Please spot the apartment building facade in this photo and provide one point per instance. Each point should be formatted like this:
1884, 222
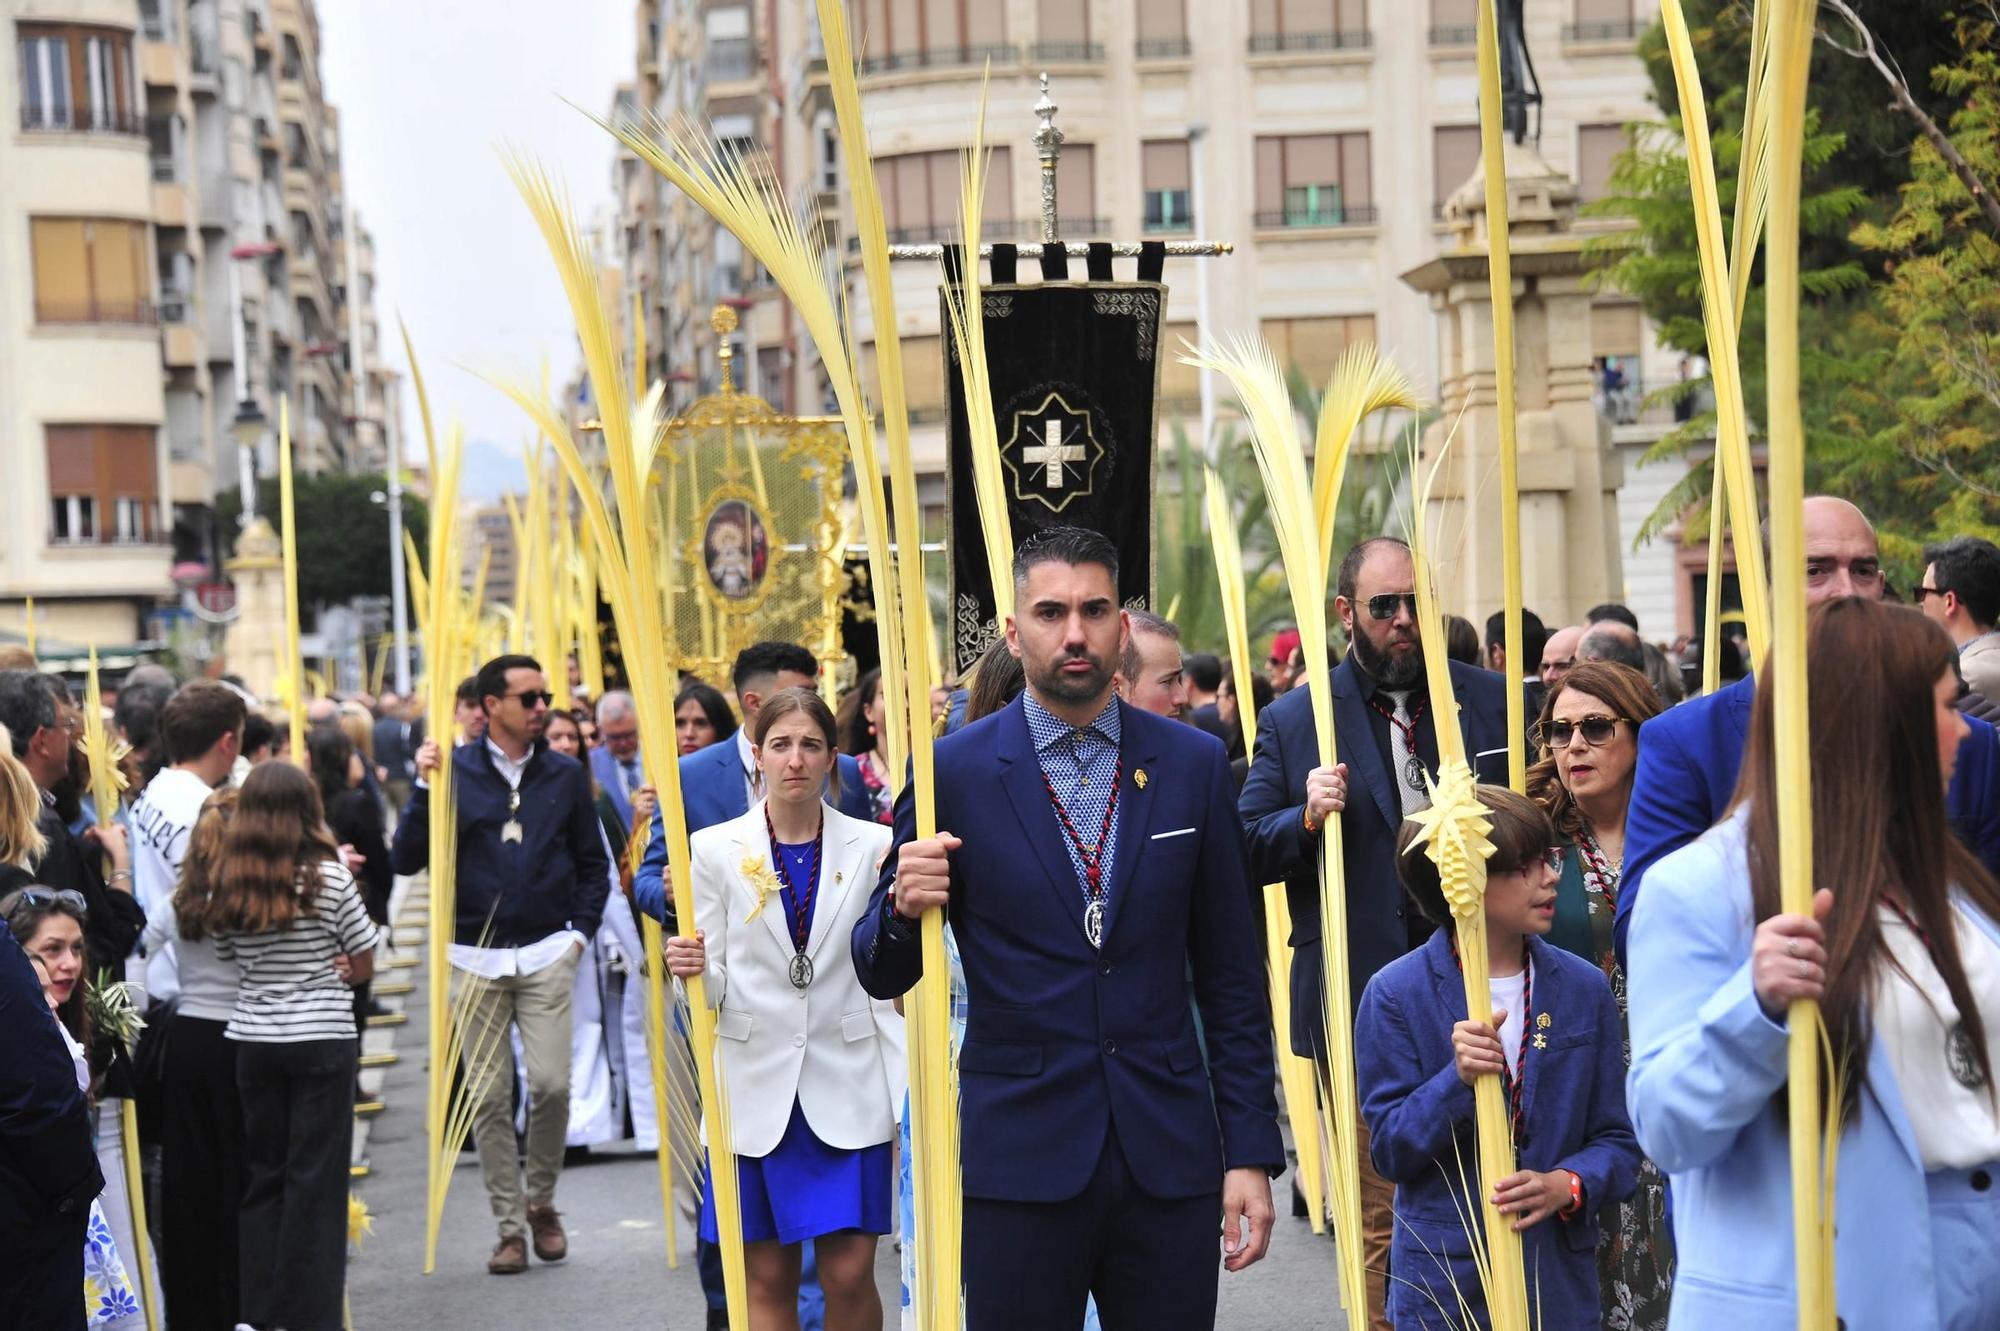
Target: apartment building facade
172, 201
1320, 137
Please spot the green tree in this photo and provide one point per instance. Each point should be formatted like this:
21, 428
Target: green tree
1922, 412
343, 533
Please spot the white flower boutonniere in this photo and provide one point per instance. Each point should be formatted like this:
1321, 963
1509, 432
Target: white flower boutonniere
757, 872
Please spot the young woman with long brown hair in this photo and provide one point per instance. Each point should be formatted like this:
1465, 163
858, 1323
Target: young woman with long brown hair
286, 910
1902, 953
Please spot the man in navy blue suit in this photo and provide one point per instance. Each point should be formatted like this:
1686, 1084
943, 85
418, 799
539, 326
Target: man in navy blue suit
1690, 755
1093, 863
1387, 740
48, 1169
719, 783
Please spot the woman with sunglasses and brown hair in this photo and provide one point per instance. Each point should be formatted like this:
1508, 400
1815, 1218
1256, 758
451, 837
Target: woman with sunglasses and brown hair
285, 909
1588, 738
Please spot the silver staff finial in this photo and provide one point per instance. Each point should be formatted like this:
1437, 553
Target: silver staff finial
1048, 146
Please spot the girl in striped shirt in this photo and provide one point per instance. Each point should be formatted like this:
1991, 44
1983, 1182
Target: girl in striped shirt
287, 912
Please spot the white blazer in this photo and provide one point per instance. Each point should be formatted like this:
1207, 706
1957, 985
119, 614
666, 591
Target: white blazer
832, 1047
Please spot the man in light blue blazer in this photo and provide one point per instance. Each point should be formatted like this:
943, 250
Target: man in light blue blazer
616, 762
1689, 755
719, 783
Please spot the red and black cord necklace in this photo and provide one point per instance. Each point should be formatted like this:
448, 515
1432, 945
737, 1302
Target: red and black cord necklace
799, 902
1092, 856
1413, 766
1513, 1079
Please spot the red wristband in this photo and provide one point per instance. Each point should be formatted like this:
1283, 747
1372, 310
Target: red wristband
1575, 1196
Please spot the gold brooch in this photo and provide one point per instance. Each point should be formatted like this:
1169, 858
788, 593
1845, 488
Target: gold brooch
1139, 777
1542, 1021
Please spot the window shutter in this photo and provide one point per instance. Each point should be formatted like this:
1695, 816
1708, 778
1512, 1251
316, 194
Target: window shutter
1164, 164
62, 270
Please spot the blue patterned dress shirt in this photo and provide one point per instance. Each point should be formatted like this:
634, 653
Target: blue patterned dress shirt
1081, 765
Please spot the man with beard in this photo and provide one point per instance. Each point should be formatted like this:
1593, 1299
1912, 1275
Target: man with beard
1108, 868
1387, 738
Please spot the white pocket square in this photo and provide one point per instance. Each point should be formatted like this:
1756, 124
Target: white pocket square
1179, 831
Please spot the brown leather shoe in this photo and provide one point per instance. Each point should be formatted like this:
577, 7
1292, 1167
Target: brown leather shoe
510, 1257
545, 1223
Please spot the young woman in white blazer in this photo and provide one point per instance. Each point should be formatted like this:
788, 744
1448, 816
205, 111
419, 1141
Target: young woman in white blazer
813, 1066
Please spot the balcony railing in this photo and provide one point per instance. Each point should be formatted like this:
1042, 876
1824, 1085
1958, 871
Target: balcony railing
1264, 43
1081, 228
943, 57
1163, 48
946, 233
81, 120
156, 20
165, 170
90, 310
1608, 30
175, 306
1453, 34
1173, 226
1353, 214
1060, 53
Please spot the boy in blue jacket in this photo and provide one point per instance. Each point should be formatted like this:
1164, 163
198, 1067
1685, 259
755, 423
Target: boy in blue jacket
1555, 1042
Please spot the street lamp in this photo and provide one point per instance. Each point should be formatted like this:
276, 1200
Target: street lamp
248, 431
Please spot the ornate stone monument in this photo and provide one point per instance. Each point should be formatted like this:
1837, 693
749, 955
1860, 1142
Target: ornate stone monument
1570, 553
254, 643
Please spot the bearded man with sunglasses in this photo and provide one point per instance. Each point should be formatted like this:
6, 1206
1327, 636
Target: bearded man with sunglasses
1387, 744
533, 874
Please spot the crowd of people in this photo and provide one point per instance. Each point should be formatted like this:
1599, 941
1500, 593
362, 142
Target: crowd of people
1105, 838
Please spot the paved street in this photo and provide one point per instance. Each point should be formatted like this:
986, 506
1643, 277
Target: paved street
617, 1274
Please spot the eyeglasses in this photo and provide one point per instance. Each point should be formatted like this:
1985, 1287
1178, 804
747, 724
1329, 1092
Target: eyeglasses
1922, 592
1550, 859
1384, 605
533, 698
1596, 730
38, 897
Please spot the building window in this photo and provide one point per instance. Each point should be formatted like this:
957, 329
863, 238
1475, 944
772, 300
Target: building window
923, 376
1062, 31
1076, 192
77, 78
928, 34
1314, 180
1597, 149
1312, 346
1604, 21
1162, 29
1454, 22
920, 196
1308, 25
1454, 157
730, 52
91, 270
99, 471
1163, 166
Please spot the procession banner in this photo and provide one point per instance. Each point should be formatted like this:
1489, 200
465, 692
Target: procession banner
1075, 373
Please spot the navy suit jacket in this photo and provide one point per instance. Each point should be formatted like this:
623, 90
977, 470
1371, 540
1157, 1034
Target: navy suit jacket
1420, 1126
48, 1168
1381, 924
393, 752
712, 792
1063, 1042
1691, 755
611, 780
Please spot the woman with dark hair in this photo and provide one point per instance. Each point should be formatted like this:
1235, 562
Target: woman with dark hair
354, 815
1588, 738
1228, 707
996, 680
701, 717
285, 909
1461, 640
1902, 954
808, 1059
862, 731
48, 924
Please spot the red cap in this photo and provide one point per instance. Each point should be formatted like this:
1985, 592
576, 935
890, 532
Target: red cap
1283, 645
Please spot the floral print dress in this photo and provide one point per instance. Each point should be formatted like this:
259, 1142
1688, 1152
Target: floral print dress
109, 1298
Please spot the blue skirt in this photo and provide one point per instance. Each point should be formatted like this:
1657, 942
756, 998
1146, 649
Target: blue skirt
805, 1188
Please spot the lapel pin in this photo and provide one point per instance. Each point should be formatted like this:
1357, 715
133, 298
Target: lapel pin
1139, 777
1542, 1021
1541, 1041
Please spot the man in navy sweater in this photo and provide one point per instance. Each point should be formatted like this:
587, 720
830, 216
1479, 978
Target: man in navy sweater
532, 878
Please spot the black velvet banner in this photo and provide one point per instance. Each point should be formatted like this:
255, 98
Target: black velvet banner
1075, 370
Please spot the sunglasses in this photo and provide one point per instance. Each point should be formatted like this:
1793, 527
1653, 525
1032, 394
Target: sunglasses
535, 697
1384, 606
39, 897
1596, 730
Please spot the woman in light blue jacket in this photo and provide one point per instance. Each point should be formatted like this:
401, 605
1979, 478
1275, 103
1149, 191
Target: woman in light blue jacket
1904, 957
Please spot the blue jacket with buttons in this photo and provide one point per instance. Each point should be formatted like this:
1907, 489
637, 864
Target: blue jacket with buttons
555, 877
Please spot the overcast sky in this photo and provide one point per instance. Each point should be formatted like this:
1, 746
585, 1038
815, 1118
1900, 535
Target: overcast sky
426, 94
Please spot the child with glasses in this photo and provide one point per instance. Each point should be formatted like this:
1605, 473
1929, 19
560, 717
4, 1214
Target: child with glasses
1552, 1037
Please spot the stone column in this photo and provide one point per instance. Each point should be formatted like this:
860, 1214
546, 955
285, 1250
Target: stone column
255, 641
1569, 476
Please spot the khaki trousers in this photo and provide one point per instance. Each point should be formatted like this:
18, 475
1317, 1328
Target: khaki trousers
1378, 1221
538, 1006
